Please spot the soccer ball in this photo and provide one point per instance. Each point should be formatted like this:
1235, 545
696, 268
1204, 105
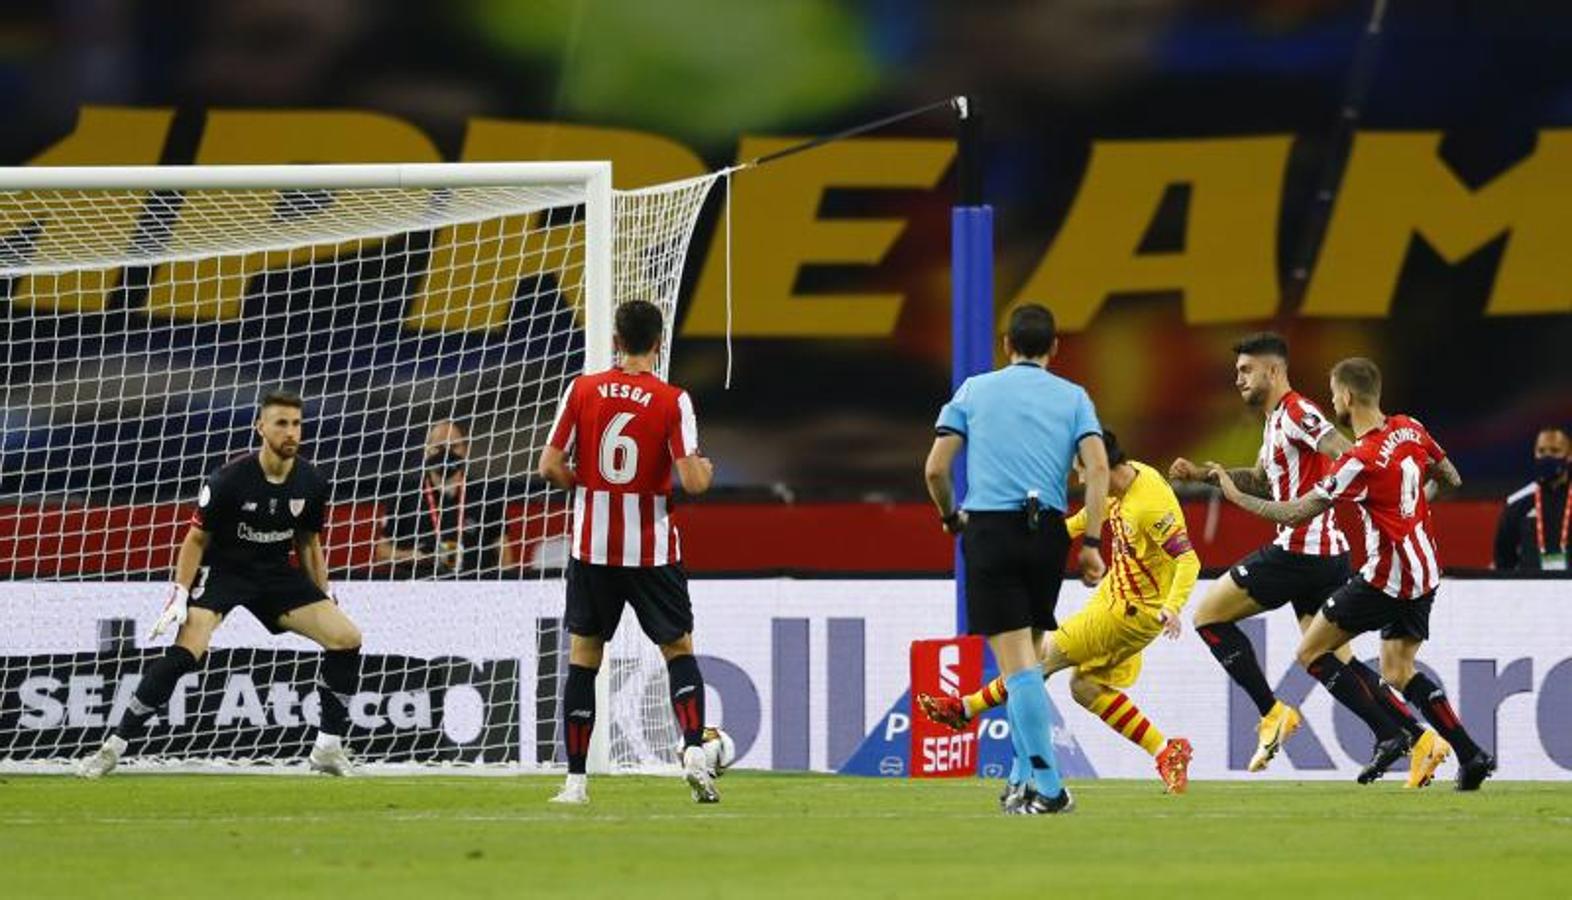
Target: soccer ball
719, 751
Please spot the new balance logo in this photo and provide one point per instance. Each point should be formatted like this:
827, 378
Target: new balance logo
249, 507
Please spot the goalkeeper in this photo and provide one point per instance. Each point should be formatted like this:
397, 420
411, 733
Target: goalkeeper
249, 515
1152, 569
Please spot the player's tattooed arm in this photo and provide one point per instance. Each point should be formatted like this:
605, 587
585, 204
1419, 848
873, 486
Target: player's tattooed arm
1333, 444
1249, 481
1443, 479
1290, 512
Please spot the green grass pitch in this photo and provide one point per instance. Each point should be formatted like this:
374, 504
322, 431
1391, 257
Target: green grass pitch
773, 835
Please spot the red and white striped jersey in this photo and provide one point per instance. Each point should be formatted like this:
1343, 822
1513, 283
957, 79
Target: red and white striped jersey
625, 430
1293, 466
1384, 474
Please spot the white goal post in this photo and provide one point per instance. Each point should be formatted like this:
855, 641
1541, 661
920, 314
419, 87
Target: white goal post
145, 310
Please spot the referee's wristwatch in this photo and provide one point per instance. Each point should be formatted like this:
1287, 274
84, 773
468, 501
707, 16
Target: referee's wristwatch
1094, 543
952, 520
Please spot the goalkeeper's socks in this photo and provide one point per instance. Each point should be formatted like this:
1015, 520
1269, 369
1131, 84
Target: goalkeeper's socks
152, 692
578, 715
327, 741
1123, 716
687, 697
1383, 694
1236, 655
337, 680
1352, 693
992, 694
1028, 704
1431, 700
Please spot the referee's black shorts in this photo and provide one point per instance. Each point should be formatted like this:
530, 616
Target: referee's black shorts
1013, 573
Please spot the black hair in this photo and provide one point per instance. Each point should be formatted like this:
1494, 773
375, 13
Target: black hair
1116, 454
1031, 330
639, 325
1263, 343
280, 397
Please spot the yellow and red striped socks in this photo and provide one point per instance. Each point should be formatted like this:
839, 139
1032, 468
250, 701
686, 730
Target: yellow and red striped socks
992, 694
1126, 718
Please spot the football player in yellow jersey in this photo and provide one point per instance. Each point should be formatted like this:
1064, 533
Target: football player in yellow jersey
1152, 568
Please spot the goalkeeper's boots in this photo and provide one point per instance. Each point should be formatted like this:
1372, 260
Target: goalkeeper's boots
944, 710
696, 769
1012, 795
574, 791
1275, 728
1173, 765
1035, 804
1429, 752
332, 760
1472, 774
1386, 754
104, 761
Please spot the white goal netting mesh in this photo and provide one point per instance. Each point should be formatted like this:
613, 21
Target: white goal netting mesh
431, 332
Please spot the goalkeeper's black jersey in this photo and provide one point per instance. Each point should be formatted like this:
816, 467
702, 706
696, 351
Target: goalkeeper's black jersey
253, 522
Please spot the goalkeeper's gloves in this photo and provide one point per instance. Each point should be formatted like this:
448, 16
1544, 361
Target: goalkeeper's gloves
174, 610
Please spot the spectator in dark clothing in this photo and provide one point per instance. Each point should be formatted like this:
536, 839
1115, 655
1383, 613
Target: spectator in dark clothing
442, 523
1532, 533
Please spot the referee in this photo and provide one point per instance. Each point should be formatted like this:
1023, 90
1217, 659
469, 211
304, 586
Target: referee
1022, 427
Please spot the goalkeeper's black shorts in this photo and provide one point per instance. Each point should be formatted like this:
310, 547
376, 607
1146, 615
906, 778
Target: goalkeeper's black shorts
659, 595
268, 597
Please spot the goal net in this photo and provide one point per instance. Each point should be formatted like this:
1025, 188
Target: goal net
431, 316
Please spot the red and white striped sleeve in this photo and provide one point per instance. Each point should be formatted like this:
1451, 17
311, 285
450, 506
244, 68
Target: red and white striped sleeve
684, 440
567, 421
1306, 422
1345, 481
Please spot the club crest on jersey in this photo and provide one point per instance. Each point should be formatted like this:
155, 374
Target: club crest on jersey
248, 506
296, 507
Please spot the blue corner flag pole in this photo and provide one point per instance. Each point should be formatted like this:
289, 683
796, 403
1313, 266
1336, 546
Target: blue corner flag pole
971, 333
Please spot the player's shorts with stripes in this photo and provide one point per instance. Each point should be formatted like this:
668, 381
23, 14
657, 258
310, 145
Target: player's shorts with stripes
267, 596
1274, 577
658, 595
1013, 574
1358, 607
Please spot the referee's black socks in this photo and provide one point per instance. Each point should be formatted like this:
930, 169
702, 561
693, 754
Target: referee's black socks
687, 697
337, 682
153, 691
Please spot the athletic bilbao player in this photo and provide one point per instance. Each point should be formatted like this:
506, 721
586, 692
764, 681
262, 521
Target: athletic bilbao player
618, 435
1391, 472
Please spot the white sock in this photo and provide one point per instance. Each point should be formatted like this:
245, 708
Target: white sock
116, 743
327, 741
580, 781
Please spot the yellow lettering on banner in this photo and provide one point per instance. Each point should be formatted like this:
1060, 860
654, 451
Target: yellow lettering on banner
1227, 270
476, 267
213, 286
1397, 186
776, 230
104, 136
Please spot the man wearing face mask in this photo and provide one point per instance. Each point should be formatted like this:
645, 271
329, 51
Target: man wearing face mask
447, 523
1532, 533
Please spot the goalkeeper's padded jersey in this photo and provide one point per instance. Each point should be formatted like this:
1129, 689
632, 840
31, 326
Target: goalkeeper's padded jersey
1150, 560
623, 431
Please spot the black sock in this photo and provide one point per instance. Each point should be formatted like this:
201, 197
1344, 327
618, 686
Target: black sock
152, 692
578, 715
687, 698
1352, 693
1431, 700
337, 681
1237, 657
1385, 697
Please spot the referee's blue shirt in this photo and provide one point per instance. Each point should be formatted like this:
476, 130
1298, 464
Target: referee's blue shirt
1021, 424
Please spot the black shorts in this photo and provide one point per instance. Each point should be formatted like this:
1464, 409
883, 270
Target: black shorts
268, 597
1273, 577
1358, 607
1013, 574
659, 595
